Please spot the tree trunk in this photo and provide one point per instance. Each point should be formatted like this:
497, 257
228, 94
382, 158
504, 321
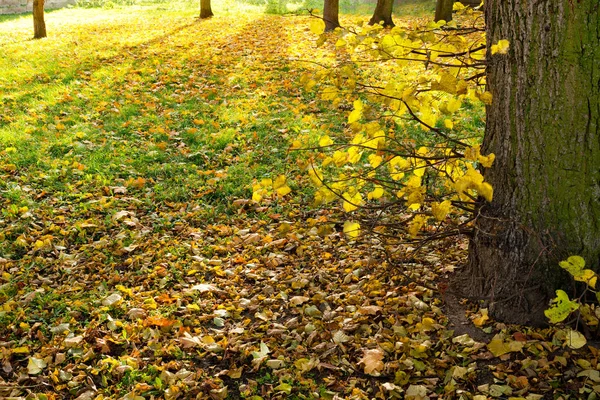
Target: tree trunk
205, 10
39, 25
544, 128
330, 14
383, 13
443, 10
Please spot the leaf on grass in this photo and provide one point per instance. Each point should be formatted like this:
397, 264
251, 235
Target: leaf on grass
264, 350
204, 287
305, 365
284, 387
497, 347
298, 300
416, 392
35, 365
574, 339
280, 186
340, 337
372, 361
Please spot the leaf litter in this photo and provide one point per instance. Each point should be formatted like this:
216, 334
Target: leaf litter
109, 290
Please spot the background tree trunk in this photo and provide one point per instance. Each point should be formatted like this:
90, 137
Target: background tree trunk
205, 10
443, 10
39, 25
331, 9
383, 13
544, 127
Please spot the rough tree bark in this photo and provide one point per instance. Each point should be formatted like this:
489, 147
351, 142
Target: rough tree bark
443, 10
205, 9
331, 14
39, 25
544, 128
383, 13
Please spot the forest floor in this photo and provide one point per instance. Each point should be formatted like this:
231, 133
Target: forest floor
134, 265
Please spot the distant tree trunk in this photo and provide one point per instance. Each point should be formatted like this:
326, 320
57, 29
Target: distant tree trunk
544, 128
205, 10
39, 26
443, 10
331, 11
383, 13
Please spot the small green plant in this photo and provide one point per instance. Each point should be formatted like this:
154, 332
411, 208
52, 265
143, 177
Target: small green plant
562, 307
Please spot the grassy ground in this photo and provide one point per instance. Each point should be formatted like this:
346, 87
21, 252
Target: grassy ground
132, 263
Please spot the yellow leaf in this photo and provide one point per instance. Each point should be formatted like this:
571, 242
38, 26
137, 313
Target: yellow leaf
20, 350
486, 161
497, 347
377, 193
124, 290
448, 123
339, 158
354, 155
375, 160
453, 105
317, 26
325, 141
427, 324
486, 191
354, 116
280, 186
486, 97
351, 229
358, 105
501, 47
575, 266
283, 190
351, 203
446, 83
416, 224
329, 93
256, 196
440, 210
481, 320
316, 176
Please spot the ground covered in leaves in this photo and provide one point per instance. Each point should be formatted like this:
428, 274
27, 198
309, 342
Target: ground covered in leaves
133, 264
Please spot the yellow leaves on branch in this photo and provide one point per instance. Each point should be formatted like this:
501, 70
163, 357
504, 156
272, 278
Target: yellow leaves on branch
267, 187
416, 224
473, 180
474, 154
352, 200
356, 114
440, 210
575, 266
351, 230
325, 141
